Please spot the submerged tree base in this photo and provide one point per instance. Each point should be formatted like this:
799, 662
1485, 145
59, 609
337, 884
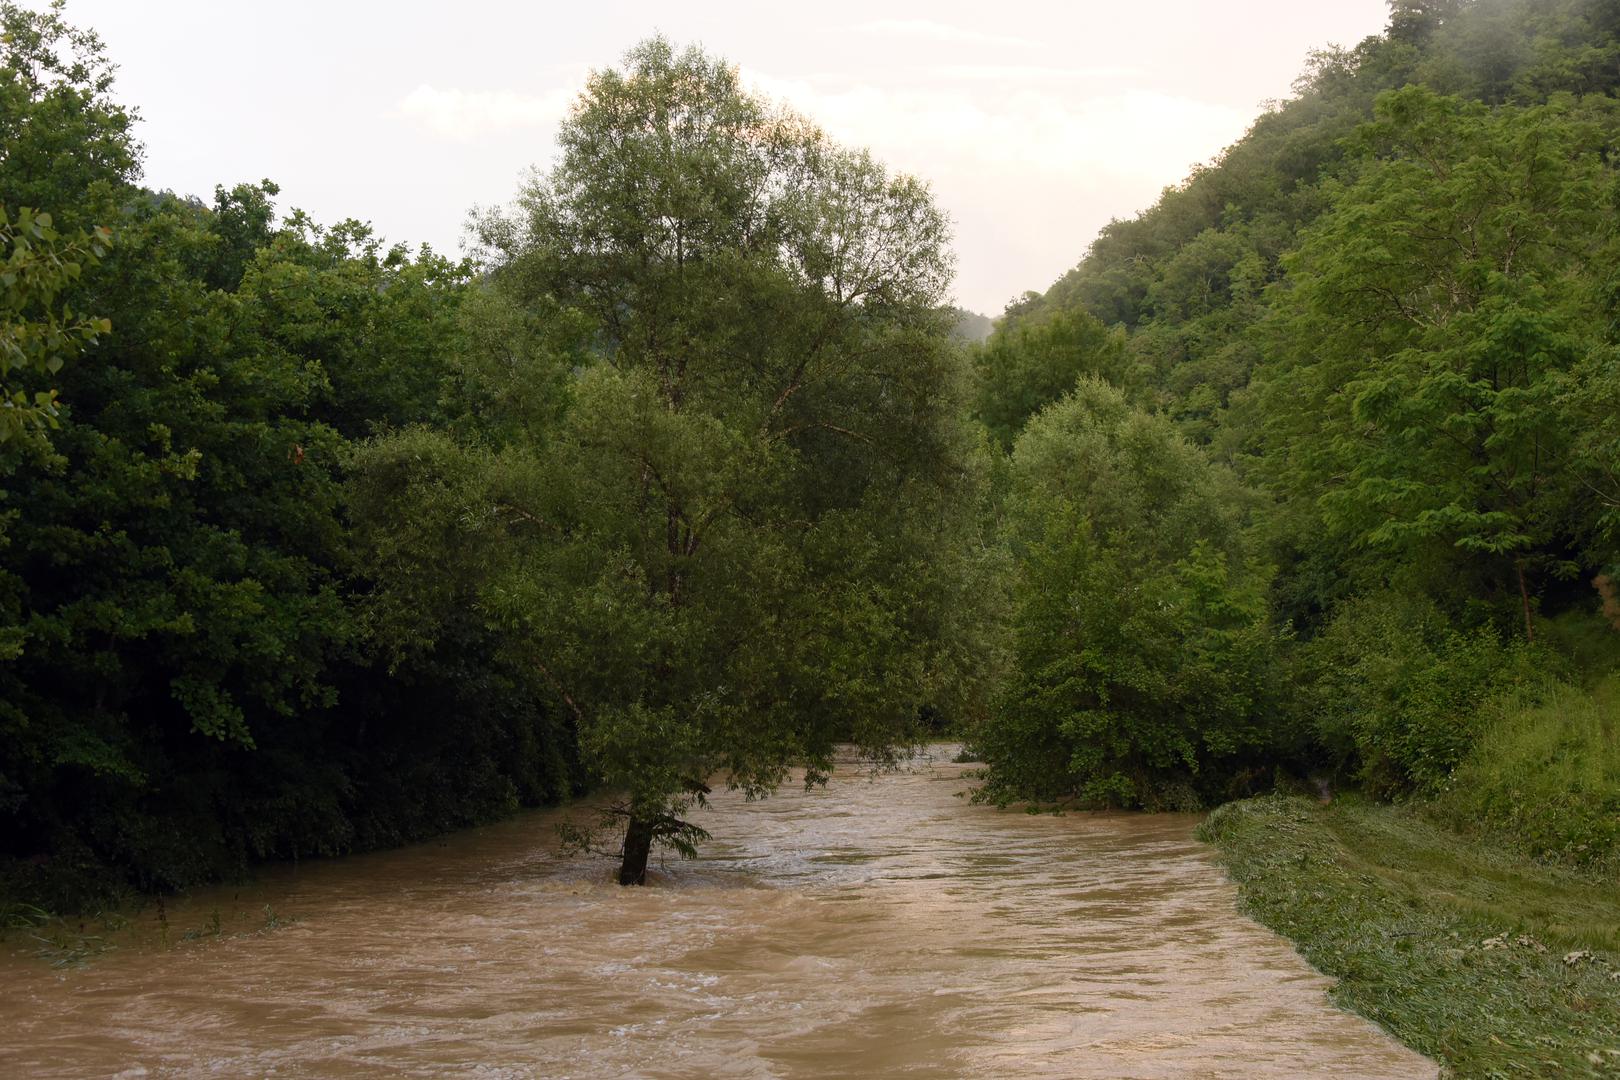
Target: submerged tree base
643, 832
638, 840
1488, 962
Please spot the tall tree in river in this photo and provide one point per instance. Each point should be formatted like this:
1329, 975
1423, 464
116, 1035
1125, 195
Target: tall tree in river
746, 534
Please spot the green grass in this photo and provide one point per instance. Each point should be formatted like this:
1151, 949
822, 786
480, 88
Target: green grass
1491, 963
1546, 776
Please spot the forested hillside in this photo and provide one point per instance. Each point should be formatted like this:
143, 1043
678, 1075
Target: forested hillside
1313, 488
1381, 330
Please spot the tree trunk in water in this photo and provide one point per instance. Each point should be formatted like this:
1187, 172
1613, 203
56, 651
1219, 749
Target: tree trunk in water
1524, 594
638, 837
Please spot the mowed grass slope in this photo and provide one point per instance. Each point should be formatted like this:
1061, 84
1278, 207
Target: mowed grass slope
1492, 963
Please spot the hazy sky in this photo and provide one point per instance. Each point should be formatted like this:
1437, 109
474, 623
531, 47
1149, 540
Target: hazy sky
1035, 122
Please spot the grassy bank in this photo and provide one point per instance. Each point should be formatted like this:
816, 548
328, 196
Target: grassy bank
1470, 952
1544, 777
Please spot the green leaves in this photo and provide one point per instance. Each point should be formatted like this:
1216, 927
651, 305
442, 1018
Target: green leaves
37, 335
1140, 622
721, 500
1031, 363
1396, 694
1423, 357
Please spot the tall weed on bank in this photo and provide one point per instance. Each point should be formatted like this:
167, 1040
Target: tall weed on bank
1545, 772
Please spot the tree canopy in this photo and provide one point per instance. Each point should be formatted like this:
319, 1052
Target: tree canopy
716, 552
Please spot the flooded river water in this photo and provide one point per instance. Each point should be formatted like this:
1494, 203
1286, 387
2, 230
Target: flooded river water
881, 927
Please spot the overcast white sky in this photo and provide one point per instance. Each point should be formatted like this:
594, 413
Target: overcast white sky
1035, 122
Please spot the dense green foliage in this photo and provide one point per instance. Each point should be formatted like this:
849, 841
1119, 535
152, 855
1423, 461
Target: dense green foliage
308, 543
1390, 312
741, 538
1031, 364
334, 545
35, 337
1141, 641
188, 679
1395, 693
1545, 776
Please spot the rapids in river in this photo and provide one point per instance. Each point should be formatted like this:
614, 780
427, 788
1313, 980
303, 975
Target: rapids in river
880, 927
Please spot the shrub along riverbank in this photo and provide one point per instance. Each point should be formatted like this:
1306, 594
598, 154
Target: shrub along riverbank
1545, 778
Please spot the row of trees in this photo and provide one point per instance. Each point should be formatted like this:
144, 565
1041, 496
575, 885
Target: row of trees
1381, 329
188, 678
315, 545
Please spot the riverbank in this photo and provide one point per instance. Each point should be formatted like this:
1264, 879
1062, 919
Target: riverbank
1486, 961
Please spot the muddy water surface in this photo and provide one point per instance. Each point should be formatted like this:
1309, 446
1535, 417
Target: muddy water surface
879, 928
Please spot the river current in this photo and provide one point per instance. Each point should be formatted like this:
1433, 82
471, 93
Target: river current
880, 927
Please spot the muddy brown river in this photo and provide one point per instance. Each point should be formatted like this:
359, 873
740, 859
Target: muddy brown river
881, 927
